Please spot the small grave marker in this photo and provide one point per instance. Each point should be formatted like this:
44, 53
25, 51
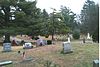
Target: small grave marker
69, 39
88, 36
27, 46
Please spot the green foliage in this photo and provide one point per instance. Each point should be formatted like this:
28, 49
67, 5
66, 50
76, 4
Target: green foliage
76, 35
89, 17
69, 18
21, 16
49, 42
95, 35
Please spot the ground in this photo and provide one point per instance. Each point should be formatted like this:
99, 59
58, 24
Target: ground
82, 56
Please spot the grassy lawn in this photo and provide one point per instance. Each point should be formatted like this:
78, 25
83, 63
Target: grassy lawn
82, 56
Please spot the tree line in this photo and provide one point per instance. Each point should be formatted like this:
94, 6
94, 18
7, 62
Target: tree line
23, 17
90, 19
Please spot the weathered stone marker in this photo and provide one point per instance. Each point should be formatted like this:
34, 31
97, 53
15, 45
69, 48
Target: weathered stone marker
7, 43
96, 63
69, 39
67, 47
88, 36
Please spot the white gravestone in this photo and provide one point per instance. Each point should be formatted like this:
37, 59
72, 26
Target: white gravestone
69, 39
27, 46
88, 36
6, 47
67, 47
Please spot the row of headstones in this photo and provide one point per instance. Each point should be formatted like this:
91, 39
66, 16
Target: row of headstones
63, 37
67, 45
7, 42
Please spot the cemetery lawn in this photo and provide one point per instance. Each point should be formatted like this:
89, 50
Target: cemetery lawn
82, 56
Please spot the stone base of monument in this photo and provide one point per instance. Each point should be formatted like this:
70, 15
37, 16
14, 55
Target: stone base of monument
6, 47
67, 48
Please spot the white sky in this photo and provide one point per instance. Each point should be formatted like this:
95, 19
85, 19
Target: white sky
74, 5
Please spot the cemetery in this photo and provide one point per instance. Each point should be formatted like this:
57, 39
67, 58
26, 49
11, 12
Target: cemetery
72, 53
49, 33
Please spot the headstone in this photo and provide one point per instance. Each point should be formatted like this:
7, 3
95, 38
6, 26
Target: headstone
40, 42
27, 46
6, 47
88, 36
7, 43
67, 47
4, 37
69, 39
45, 42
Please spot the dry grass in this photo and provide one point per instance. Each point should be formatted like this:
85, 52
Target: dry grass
82, 56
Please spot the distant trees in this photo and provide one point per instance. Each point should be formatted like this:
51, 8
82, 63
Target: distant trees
69, 18
45, 23
56, 24
76, 34
90, 18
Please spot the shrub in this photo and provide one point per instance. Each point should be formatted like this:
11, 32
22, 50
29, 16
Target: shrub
95, 36
35, 37
76, 35
46, 36
49, 42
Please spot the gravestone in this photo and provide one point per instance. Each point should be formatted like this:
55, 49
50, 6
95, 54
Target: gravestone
69, 39
67, 47
41, 42
45, 42
7, 43
88, 36
27, 46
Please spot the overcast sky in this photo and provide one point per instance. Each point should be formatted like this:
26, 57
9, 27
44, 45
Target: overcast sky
74, 5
